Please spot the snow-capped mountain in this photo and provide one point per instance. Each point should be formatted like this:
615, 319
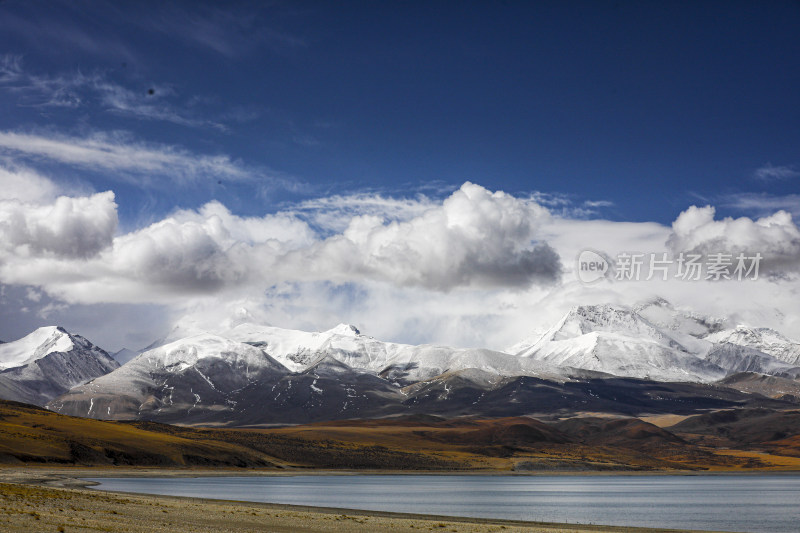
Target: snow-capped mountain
765, 340
619, 341
401, 363
737, 358
242, 377
200, 373
48, 362
297, 349
656, 341
255, 375
664, 315
210, 379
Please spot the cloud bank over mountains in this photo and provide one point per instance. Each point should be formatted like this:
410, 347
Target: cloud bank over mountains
473, 268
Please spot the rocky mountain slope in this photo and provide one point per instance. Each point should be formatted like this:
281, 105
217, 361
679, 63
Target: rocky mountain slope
48, 362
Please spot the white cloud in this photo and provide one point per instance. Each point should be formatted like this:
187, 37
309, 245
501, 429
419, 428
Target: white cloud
10, 68
25, 185
78, 89
283, 228
566, 206
334, 213
474, 238
143, 105
120, 154
39, 90
770, 172
776, 237
762, 204
75, 228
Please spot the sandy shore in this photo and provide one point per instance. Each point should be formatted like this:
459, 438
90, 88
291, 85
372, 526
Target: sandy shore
41, 499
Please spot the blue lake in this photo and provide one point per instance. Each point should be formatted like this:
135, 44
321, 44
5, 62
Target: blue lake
755, 503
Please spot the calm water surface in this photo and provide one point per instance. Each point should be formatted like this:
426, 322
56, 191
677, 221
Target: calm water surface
756, 503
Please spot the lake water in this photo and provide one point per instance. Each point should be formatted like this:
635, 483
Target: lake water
756, 503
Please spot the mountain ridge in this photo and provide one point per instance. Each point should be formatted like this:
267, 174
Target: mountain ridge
255, 374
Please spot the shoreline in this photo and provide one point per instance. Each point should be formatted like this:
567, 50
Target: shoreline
43, 491
28, 472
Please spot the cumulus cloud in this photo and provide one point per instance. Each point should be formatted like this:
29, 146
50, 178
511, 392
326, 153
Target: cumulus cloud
207, 250
75, 228
282, 228
26, 185
474, 238
775, 237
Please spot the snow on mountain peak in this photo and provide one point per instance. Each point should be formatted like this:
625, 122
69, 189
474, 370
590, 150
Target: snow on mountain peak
661, 313
345, 329
187, 352
765, 340
584, 319
48, 362
618, 340
35, 345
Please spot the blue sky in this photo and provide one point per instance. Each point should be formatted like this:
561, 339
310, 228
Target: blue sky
621, 111
645, 105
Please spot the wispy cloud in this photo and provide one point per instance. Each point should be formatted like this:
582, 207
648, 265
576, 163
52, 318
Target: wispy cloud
770, 172
762, 204
54, 28
78, 89
10, 68
144, 105
39, 90
128, 159
567, 206
228, 32
334, 213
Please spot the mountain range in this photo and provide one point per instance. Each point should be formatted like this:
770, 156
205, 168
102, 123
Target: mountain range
650, 358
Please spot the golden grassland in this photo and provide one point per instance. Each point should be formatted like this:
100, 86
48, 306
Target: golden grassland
630, 453
29, 435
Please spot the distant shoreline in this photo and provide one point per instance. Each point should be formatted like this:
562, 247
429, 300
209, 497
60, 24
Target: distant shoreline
74, 476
